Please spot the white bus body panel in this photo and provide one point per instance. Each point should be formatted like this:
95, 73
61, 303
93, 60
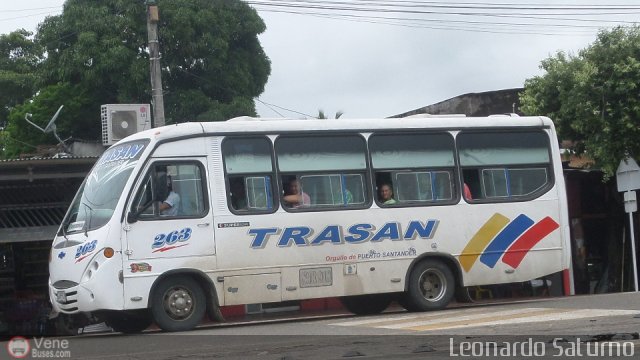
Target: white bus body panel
324, 263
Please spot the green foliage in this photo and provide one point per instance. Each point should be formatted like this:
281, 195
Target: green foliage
96, 53
322, 115
217, 65
593, 96
22, 136
19, 59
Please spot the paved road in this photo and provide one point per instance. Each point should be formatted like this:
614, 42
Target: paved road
441, 334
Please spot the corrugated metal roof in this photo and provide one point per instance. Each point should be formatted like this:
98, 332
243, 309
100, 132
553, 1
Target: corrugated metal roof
37, 203
36, 192
49, 159
42, 168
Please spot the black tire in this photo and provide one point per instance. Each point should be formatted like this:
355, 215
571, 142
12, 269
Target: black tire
178, 304
431, 286
129, 322
366, 304
67, 325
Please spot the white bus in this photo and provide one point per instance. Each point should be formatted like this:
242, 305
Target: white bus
264, 211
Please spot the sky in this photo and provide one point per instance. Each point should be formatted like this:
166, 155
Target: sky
393, 56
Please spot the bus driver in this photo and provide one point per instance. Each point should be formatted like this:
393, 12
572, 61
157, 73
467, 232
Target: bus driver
169, 207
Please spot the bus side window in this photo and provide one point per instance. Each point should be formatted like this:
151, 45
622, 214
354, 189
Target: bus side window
471, 180
413, 169
339, 190
249, 172
250, 193
171, 190
505, 166
328, 172
258, 193
238, 193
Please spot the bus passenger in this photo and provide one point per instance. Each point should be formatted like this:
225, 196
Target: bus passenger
467, 192
386, 195
294, 197
238, 194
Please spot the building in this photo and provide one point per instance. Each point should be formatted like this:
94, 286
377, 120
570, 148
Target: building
34, 196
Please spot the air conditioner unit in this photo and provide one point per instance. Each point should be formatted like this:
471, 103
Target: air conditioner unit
122, 120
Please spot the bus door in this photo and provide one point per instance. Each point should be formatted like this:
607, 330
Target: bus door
169, 216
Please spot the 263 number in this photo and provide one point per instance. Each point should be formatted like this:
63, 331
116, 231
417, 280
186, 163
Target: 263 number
171, 238
86, 248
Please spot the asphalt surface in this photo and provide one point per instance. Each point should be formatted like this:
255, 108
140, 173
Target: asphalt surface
542, 328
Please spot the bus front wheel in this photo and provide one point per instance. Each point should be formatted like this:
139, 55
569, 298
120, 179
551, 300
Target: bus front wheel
179, 304
431, 286
129, 322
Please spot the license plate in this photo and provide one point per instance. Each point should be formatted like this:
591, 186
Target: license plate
61, 297
316, 277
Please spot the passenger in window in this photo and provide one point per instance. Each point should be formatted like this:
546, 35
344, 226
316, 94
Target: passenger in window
471, 185
386, 195
348, 197
467, 192
294, 197
238, 194
170, 206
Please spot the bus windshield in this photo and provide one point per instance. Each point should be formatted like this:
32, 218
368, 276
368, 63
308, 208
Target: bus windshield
98, 196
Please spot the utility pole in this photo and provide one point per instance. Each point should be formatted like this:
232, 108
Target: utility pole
157, 100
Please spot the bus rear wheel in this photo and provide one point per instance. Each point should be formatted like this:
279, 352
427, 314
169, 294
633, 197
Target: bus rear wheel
178, 304
431, 286
129, 322
366, 304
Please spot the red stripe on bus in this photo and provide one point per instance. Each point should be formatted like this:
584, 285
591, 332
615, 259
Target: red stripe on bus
528, 240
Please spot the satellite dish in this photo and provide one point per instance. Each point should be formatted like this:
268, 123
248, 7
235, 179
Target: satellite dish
51, 126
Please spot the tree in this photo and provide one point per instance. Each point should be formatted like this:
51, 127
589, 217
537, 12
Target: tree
593, 96
213, 65
19, 59
322, 115
23, 137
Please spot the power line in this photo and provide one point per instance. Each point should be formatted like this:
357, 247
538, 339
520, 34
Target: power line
473, 26
378, 13
467, 5
448, 21
381, 7
30, 15
270, 107
31, 9
210, 82
368, 9
283, 108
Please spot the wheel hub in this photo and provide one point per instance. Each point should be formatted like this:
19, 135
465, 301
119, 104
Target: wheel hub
432, 284
178, 303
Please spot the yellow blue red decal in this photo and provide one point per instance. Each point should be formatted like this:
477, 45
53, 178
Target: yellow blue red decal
510, 239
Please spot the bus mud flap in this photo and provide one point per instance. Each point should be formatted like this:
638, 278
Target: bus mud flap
213, 309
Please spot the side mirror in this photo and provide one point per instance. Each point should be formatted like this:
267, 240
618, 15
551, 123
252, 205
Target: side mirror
132, 217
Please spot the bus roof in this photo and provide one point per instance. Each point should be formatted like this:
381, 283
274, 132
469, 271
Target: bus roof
247, 124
